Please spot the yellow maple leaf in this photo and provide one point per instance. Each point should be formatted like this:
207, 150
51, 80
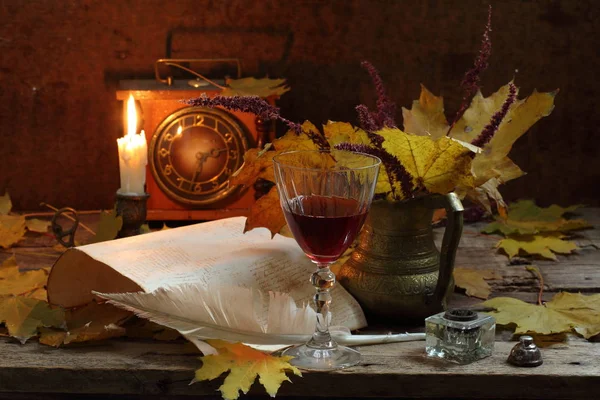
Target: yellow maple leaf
13, 282
109, 226
426, 117
266, 212
493, 161
23, 316
343, 132
12, 229
474, 281
436, 165
263, 87
566, 312
37, 225
244, 364
526, 218
543, 245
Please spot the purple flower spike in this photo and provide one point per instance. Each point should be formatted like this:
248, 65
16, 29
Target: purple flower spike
255, 105
472, 79
386, 108
490, 129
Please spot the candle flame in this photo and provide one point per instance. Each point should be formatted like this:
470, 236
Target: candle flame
131, 116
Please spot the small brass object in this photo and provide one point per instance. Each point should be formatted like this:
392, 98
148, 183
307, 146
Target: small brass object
396, 271
132, 207
525, 353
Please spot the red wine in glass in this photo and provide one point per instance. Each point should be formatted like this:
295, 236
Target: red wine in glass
324, 226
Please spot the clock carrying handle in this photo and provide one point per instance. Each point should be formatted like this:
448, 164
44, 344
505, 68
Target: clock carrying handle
178, 63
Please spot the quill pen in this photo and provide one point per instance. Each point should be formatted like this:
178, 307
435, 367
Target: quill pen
236, 314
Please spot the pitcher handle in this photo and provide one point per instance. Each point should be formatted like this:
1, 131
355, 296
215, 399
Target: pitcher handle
454, 226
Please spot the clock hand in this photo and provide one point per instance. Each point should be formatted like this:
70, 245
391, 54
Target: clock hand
216, 152
201, 158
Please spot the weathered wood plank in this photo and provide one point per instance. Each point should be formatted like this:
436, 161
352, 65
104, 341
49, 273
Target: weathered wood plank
394, 370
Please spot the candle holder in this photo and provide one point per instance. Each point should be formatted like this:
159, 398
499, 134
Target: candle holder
132, 207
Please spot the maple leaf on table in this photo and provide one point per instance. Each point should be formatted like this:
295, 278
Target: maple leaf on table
566, 312
544, 246
535, 230
526, 218
474, 281
37, 225
244, 365
13, 282
23, 316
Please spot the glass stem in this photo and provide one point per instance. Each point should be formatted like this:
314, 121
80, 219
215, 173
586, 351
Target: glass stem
323, 280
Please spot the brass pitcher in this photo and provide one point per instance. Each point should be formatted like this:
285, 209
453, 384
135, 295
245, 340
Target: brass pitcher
396, 271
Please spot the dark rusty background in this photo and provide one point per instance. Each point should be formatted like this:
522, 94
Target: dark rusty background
60, 63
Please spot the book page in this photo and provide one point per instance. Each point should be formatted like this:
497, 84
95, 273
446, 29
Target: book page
215, 253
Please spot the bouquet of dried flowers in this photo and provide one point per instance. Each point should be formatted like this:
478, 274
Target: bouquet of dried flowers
468, 155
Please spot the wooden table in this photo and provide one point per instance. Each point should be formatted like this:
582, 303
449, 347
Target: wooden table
138, 369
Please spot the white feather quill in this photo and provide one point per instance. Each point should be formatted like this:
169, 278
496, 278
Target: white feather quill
235, 314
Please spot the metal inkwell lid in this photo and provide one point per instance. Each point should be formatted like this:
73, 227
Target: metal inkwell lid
460, 315
525, 353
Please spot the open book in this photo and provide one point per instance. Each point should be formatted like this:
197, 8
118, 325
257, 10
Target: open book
214, 254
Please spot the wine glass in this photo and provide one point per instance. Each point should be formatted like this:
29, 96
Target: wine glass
325, 197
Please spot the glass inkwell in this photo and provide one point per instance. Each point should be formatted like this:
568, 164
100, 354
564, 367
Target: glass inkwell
459, 335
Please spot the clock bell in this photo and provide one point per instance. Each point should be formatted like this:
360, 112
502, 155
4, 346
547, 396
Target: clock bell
193, 151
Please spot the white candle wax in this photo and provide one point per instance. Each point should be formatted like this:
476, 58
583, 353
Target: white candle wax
133, 155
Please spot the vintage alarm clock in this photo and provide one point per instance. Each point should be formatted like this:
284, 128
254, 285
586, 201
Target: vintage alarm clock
193, 151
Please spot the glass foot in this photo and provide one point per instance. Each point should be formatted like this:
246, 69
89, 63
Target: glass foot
322, 359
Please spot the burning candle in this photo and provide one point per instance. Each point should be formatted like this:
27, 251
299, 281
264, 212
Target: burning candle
133, 155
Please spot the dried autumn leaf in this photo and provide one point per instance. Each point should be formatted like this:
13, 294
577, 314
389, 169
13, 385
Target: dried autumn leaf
12, 229
474, 281
23, 316
542, 245
37, 225
566, 312
263, 87
244, 365
426, 117
493, 161
436, 165
343, 132
23, 282
39, 294
109, 226
526, 218
5, 204
266, 212
90, 322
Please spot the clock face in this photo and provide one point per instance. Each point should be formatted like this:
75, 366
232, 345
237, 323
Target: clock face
193, 153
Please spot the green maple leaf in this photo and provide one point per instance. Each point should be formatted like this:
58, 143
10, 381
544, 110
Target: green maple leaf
23, 316
526, 218
109, 226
